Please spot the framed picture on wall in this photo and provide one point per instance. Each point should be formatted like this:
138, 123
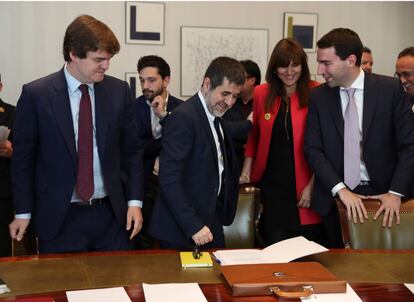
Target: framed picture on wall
144, 22
200, 45
132, 78
303, 28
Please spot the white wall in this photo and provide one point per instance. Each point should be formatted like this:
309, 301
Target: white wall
32, 32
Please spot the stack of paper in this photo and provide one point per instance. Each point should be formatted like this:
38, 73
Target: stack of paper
280, 252
115, 294
3, 287
173, 292
187, 260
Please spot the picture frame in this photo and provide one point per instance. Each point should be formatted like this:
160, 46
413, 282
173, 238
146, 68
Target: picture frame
200, 45
132, 78
303, 28
144, 23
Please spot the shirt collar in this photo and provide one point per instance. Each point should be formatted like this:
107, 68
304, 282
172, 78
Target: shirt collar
359, 81
203, 101
72, 82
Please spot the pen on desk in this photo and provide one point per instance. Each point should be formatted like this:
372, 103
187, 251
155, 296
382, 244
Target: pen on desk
216, 259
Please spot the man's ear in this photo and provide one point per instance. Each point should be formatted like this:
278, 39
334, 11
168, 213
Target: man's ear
166, 81
352, 59
73, 56
206, 84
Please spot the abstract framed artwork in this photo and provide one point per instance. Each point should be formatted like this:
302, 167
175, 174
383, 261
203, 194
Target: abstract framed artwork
200, 45
132, 78
144, 23
303, 28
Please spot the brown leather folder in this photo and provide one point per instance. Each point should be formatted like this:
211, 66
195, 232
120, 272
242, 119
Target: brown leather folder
294, 279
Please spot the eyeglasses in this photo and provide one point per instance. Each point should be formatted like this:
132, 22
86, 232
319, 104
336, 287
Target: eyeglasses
404, 74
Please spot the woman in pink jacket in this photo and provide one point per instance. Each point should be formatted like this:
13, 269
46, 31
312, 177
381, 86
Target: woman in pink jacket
274, 157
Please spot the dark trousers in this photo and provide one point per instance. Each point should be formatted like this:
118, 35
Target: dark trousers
143, 240
6, 217
88, 228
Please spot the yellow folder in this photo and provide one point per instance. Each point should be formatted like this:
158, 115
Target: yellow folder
187, 260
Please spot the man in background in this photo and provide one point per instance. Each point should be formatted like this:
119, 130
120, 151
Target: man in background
359, 138
367, 61
198, 168
152, 109
404, 70
77, 159
239, 116
7, 113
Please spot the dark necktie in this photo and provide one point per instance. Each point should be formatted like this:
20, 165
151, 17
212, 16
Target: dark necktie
222, 148
352, 153
85, 185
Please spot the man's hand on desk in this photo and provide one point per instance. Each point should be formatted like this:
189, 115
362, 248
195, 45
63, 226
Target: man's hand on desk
203, 236
390, 205
134, 220
18, 227
355, 208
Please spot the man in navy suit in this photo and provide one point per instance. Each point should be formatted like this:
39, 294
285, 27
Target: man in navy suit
384, 136
77, 161
152, 110
198, 167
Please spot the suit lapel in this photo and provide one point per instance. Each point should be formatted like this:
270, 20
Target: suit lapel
206, 126
60, 103
370, 103
101, 116
335, 107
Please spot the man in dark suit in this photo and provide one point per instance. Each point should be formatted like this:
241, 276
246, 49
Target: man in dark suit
404, 70
152, 109
7, 113
364, 109
198, 167
77, 161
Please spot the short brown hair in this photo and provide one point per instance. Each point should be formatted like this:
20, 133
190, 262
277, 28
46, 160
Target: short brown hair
225, 67
86, 33
345, 41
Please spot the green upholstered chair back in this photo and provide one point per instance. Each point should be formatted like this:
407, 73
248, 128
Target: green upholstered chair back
372, 235
240, 234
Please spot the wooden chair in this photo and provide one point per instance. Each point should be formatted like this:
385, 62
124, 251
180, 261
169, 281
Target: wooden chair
241, 233
372, 235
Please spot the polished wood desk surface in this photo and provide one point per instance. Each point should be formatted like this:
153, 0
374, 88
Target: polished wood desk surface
374, 275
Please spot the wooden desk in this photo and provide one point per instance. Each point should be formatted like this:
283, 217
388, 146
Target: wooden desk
374, 275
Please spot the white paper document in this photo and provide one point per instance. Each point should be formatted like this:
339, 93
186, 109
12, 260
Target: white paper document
410, 286
114, 294
349, 296
4, 133
173, 292
280, 252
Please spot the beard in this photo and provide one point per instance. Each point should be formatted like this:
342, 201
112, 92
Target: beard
219, 109
151, 94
